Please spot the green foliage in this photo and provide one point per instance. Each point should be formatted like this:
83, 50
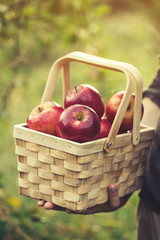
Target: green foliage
33, 34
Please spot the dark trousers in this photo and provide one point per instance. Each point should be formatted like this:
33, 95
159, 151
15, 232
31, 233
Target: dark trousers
148, 223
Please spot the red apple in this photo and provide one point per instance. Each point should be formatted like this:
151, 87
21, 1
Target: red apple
105, 127
112, 107
85, 94
44, 117
78, 123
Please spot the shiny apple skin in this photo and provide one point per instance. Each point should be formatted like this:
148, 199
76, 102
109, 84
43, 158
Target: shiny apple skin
85, 94
78, 123
43, 118
105, 127
112, 108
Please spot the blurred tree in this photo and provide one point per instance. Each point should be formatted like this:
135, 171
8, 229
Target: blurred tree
31, 29
34, 31
152, 9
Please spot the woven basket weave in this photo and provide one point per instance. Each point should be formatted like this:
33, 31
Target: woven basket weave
74, 175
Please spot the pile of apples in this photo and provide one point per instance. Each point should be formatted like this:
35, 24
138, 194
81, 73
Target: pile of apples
84, 116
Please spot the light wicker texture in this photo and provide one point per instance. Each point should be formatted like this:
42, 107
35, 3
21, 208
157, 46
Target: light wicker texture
76, 176
78, 182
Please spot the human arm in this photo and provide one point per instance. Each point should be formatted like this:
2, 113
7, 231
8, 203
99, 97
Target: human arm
150, 193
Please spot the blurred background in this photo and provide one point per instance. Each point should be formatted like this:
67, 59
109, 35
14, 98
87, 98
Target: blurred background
33, 34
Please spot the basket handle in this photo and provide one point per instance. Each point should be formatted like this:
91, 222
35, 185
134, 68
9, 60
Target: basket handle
133, 77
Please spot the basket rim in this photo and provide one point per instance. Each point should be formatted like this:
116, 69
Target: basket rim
80, 149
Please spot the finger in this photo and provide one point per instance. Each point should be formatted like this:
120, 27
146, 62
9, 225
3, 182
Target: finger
41, 203
114, 199
69, 211
52, 206
49, 205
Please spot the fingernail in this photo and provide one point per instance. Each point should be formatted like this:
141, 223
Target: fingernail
113, 190
48, 206
40, 203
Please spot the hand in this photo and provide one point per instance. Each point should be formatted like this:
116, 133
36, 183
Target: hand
114, 202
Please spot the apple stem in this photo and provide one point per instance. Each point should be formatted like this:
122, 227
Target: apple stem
76, 89
39, 109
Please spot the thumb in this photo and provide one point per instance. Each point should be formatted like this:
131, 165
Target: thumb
113, 196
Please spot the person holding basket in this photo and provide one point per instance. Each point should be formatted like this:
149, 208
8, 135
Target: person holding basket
148, 214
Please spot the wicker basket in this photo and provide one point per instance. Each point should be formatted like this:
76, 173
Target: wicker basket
74, 175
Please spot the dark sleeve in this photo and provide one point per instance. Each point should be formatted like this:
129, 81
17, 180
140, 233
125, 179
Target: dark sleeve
153, 91
150, 192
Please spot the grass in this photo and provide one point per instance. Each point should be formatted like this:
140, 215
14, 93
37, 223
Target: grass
124, 37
